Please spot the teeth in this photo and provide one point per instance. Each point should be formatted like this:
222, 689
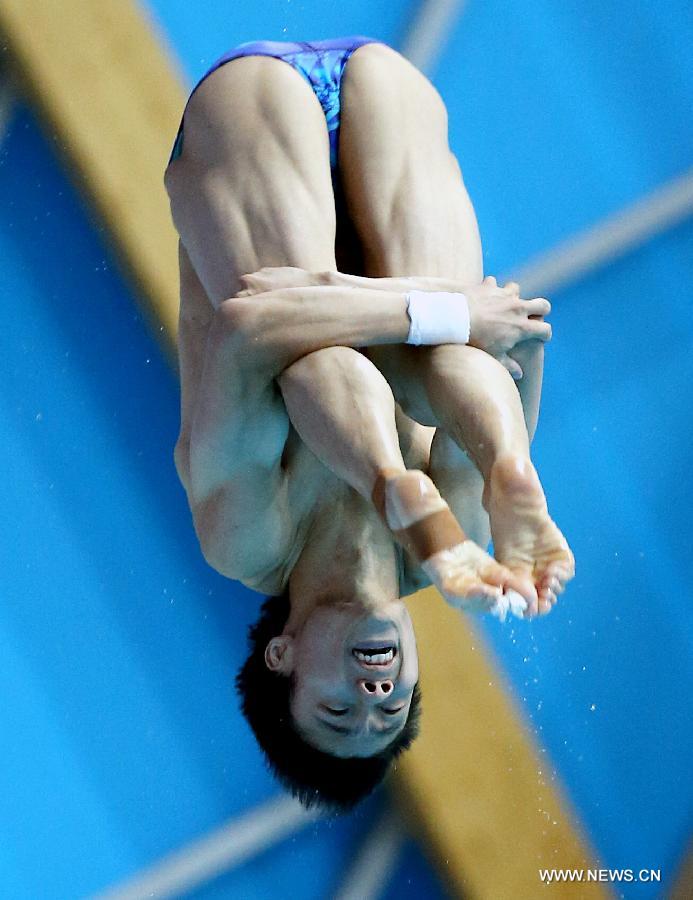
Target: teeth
374, 657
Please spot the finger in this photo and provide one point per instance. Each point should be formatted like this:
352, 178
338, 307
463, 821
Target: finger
531, 611
512, 366
539, 306
490, 280
513, 287
536, 330
250, 282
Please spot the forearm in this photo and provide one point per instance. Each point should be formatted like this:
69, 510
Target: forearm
391, 284
499, 319
284, 325
273, 278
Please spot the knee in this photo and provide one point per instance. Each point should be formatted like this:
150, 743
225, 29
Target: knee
343, 363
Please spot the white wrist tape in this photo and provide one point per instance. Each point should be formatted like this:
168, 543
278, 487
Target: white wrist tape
437, 318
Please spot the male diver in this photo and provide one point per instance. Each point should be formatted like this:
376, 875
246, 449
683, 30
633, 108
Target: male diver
350, 428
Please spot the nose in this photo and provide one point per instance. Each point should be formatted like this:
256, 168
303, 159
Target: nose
376, 690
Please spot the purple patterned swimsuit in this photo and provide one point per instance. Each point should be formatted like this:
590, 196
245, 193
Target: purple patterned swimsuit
321, 63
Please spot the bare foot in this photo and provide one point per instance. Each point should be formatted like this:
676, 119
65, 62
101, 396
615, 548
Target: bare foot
525, 538
467, 577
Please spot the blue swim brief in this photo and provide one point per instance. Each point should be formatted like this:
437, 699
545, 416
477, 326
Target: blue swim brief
322, 65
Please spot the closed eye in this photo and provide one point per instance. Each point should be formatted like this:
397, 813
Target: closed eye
393, 712
335, 712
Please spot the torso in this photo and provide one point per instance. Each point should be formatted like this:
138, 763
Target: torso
312, 487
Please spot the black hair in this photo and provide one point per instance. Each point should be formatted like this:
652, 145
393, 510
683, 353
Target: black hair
311, 775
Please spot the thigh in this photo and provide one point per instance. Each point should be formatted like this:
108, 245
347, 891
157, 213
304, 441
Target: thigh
251, 188
403, 186
252, 185
405, 193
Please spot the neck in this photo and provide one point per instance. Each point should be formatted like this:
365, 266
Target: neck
349, 557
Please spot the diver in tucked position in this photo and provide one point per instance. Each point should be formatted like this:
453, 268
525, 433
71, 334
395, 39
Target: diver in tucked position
348, 438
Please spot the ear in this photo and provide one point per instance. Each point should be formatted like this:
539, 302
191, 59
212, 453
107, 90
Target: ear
279, 654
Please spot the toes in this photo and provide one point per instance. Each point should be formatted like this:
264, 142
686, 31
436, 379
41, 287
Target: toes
472, 597
522, 583
496, 575
549, 586
531, 611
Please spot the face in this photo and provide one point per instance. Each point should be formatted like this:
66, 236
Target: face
354, 675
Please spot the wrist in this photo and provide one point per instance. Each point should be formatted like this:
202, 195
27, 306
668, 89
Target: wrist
437, 317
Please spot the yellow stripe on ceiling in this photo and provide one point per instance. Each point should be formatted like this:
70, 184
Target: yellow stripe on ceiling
107, 89
682, 888
482, 791
483, 794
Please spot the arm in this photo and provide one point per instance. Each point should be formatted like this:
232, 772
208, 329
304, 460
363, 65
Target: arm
500, 319
284, 325
237, 488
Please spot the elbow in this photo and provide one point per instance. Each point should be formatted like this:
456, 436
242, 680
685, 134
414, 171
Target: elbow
235, 319
214, 550
249, 326
181, 460
215, 559
213, 541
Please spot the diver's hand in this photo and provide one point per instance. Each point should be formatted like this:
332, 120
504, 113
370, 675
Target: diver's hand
500, 320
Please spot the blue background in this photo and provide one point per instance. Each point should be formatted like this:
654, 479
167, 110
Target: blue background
121, 739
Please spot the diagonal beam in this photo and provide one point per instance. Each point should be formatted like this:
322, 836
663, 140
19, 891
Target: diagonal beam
682, 888
7, 102
609, 239
108, 92
482, 793
432, 25
105, 87
370, 871
226, 848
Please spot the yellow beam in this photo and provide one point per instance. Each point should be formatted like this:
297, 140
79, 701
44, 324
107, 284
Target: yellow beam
683, 885
106, 88
481, 791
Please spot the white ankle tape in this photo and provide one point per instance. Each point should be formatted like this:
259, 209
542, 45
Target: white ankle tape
437, 318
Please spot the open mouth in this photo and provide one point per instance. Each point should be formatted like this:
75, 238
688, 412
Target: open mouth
375, 656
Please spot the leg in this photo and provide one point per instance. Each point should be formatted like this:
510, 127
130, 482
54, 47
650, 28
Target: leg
409, 204
252, 188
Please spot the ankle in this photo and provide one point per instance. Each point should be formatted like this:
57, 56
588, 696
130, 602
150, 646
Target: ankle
410, 497
511, 472
382, 478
